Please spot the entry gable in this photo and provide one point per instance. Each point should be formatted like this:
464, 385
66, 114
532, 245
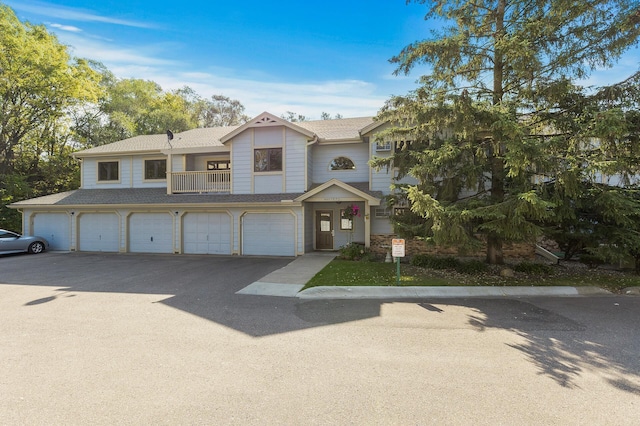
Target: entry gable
266, 120
336, 190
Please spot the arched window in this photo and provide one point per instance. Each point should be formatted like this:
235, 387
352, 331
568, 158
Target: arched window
342, 163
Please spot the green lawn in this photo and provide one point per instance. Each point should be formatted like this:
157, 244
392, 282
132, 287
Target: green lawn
353, 273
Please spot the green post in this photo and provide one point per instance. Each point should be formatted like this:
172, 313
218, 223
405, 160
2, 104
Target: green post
398, 271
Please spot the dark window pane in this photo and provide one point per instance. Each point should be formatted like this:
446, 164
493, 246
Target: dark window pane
275, 159
261, 160
267, 160
108, 170
155, 169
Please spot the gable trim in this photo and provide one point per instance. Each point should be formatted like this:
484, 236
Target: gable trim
373, 201
266, 120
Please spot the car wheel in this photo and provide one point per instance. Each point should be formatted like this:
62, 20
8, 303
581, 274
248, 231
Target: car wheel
36, 247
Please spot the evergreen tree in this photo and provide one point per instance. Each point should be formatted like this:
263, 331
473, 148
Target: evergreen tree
489, 116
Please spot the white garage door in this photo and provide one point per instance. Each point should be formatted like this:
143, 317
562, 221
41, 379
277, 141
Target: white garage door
207, 233
270, 234
55, 228
151, 233
99, 232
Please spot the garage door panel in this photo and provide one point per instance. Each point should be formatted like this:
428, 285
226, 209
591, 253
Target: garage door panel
207, 233
151, 233
270, 234
99, 232
55, 227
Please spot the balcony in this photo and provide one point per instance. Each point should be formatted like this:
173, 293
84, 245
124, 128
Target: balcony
201, 182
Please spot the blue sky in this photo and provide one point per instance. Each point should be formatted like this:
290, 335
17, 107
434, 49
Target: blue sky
301, 56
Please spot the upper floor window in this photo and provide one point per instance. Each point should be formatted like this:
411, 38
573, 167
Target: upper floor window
108, 170
383, 146
218, 165
155, 169
342, 163
267, 160
381, 212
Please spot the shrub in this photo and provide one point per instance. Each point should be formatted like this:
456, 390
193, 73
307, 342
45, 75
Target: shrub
434, 262
355, 251
532, 268
591, 260
472, 267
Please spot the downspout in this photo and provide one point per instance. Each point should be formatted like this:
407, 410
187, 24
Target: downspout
306, 161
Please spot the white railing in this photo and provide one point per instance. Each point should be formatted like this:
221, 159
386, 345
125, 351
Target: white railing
216, 181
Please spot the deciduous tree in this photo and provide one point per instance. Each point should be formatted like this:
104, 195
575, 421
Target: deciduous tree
39, 84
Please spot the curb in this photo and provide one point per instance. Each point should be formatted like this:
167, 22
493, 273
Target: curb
377, 292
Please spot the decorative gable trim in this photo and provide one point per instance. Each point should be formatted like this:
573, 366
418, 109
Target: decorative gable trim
266, 120
373, 201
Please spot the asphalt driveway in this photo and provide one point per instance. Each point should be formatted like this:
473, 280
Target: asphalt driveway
138, 273
155, 339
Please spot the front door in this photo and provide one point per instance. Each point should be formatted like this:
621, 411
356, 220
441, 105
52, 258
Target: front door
324, 230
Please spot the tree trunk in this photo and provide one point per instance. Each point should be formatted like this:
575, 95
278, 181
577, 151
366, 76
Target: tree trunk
494, 242
494, 250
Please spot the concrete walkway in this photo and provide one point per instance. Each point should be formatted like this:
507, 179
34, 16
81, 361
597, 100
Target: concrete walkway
288, 281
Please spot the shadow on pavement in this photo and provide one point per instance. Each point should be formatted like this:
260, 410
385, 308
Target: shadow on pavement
562, 346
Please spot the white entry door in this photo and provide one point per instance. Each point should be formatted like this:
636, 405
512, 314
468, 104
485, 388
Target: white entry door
207, 233
151, 233
99, 232
268, 234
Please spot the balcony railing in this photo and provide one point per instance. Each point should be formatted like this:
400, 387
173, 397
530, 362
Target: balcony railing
198, 182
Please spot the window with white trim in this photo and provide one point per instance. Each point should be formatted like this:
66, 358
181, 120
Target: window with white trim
381, 212
267, 160
155, 169
346, 222
383, 146
342, 163
108, 171
218, 165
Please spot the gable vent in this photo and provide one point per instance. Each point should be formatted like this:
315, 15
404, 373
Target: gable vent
265, 120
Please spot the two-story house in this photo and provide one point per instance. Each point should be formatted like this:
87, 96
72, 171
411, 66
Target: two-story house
268, 187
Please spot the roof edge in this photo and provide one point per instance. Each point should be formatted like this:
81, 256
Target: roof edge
370, 198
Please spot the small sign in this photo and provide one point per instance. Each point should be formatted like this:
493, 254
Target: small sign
397, 247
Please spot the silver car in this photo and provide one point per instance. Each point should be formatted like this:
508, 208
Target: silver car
10, 242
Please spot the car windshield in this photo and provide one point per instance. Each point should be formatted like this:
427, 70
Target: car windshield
8, 234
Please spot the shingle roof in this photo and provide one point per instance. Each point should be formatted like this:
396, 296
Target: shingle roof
132, 196
345, 128
209, 136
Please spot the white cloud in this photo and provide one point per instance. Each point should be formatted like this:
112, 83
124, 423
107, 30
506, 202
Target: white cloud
69, 28
73, 14
114, 56
255, 89
351, 98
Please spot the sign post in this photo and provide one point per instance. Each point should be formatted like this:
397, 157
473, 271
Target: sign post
397, 251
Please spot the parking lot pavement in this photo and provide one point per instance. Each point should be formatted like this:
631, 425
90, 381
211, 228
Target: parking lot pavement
143, 339
137, 273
